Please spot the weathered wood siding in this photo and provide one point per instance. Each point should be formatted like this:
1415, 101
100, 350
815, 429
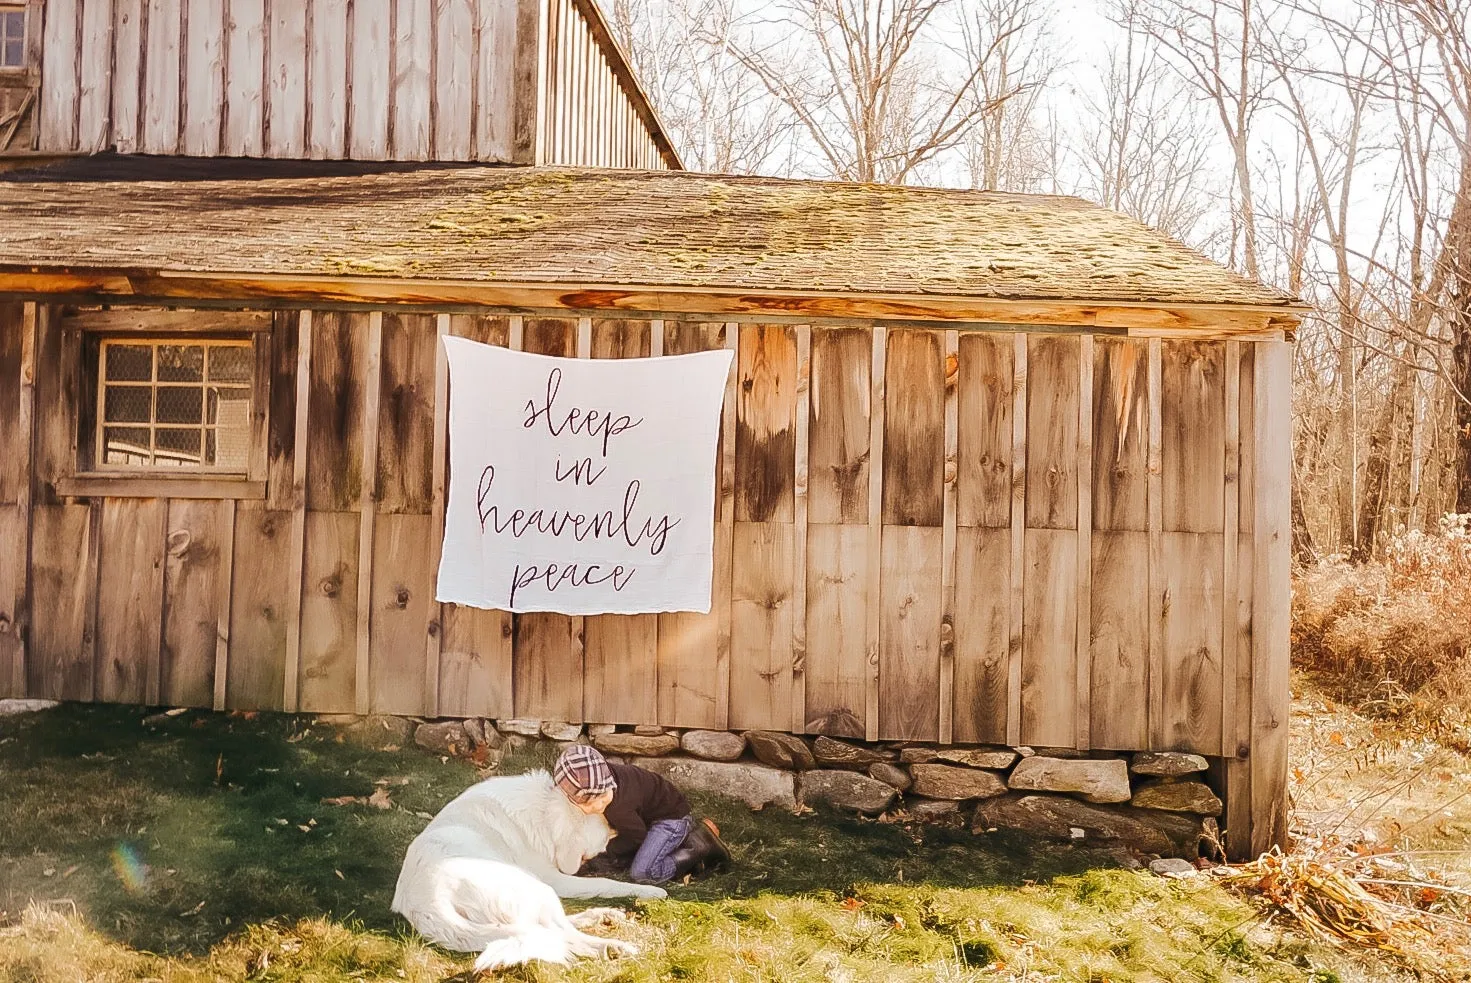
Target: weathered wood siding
979, 537
506, 81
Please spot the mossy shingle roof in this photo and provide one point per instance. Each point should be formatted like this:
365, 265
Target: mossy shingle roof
596, 227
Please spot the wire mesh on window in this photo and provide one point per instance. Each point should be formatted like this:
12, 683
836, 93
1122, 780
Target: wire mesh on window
171, 405
12, 38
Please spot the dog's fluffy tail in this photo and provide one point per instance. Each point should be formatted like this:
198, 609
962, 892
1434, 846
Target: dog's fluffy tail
523, 945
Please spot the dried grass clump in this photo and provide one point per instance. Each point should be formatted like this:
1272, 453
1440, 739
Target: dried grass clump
1394, 635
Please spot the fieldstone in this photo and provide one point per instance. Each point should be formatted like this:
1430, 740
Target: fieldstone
641, 744
560, 730
443, 737
1167, 764
1068, 753
520, 725
1058, 817
846, 790
482, 733
14, 707
890, 774
329, 719
917, 755
780, 750
933, 810
755, 785
594, 730
713, 745
1195, 797
648, 730
1094, 780
935, 781
832, 753
1173, 867
997, 760
1024, 751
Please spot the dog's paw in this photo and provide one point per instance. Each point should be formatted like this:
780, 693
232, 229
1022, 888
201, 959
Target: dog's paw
618, 949
649, 892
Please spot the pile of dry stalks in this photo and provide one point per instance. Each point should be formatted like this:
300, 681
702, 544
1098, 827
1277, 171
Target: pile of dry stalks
1374, 898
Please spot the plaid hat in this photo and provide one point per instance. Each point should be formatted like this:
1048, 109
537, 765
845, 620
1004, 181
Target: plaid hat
583, 773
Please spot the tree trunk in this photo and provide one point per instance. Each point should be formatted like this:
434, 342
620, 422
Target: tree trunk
1378, 465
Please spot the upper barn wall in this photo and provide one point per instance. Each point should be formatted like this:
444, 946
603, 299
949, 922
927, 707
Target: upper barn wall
505, 81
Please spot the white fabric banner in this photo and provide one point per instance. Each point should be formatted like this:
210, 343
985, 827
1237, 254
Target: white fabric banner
585, 486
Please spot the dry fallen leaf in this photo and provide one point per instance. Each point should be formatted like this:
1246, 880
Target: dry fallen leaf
853, 904
380, 800
342, 800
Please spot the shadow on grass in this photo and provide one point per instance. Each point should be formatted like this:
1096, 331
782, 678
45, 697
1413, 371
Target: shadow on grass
169, 838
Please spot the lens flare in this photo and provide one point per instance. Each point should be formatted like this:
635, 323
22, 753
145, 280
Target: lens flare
130, 868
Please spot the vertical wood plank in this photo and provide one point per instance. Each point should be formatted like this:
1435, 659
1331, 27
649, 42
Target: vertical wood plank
722, 584
1049, 638
226, 588
91, 571
495, 95
19, 597
1083, 631
909, 633
59, 665
874, 559
127, 73
1230, 584
413, 88
329, 613
60, 93
454, 93
371, 79
1156, 552
281, 446
984, 421
398, 614
1052, 432
761, 626
799, 530
1018, 538
286, 82
1271, 593
1238, 800
204, 67
837, 675
95, 96
434, 640
161, 87
327, 54
838, 465
914, 437
334, 442
982, 632
948, 542
245, 81
263, 604
1120, 626
193, 566
130, 591
290, 701
1120, 443
368, 515
406, 422
765, 422
1193, 428
1193, 614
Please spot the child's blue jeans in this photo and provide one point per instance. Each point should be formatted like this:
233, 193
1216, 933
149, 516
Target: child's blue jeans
653, 864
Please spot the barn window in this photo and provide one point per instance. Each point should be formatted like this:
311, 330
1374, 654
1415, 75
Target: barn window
174, 405
12, 36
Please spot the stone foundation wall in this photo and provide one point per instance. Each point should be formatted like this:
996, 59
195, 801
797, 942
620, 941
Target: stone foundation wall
1148, 802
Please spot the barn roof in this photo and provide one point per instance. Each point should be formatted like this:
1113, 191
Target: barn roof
612, 228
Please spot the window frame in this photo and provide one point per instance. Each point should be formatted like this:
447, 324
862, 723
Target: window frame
26, 15
155, 385
82, 332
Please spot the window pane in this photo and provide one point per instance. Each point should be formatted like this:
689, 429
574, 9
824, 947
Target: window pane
129, 363
230, 364
125, 445
180, 404
14, 54
129, 404
227, 449
180, 363
177, 448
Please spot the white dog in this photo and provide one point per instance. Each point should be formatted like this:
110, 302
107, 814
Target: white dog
487, 872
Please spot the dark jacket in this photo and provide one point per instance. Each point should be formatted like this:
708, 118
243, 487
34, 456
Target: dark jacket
642, 798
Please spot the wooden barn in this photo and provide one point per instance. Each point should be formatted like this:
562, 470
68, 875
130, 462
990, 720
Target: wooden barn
994, 468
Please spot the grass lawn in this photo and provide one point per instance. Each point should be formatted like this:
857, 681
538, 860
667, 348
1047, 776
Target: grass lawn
201, 849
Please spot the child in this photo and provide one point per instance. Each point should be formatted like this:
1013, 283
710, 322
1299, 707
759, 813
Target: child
651, 817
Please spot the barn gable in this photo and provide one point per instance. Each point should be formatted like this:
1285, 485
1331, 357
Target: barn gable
497, 81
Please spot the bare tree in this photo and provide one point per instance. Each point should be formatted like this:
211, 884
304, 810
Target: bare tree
871, 84
1013, 145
